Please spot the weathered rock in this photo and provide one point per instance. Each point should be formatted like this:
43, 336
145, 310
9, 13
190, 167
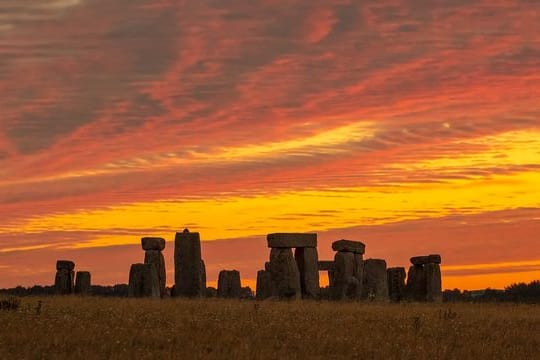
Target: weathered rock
65, 265
83, 285
63, 282
396, 283
358, 274
307, 260
326, 265
229, 285
428, 259
354, 288
433, 282
291, 240
375, 283
188, 266
211, 292
285, 274
349, 246
264, 285
246, 293
203, 273
143, 281
331, 278
344, 267
155, 257
416, 283
153, 243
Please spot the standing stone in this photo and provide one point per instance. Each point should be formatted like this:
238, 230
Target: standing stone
396, 283
155, 258
358, 274
307, 260
416, 283
203, 273
344, 268
285, 274
83, 285
375, 284
229, 285
433, 282
264, 285
188, 265
63, 282
143, 281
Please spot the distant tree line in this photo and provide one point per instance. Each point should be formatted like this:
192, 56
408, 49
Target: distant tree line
118, 290
519, 292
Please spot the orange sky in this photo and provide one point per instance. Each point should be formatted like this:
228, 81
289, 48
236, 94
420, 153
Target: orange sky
413, 128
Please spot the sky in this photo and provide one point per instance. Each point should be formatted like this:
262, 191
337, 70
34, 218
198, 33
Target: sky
412, 126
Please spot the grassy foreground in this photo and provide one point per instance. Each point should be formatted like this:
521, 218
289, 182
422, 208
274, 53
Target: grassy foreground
88, 328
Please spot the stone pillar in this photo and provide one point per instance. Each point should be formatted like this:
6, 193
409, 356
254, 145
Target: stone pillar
229, 285
153, 247
83, 285
189, 272
264, 285
396, 283
143, 281
424, 279
63, 282
307, 260
285, 274
346, 280
375, 280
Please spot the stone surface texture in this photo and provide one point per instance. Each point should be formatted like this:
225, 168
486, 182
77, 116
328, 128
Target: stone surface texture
291, 240
83, 283
375, 282
143, 281
189, 272
229, 285
349, 246
285, 273
155, 258
307, 260
153, 243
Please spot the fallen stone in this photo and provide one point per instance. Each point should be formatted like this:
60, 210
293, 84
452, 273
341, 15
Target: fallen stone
396, 283
153, 243
344, 266
188, 265
349, 246
83, 284
307, 260
63, 282
428, 259
416, 288
375, 283
65, 265
291, 240
155, 257
326, 265
285, 274
264, 285
433, 282
143, 281
229, 285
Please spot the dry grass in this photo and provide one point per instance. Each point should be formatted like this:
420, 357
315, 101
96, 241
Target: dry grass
87, 328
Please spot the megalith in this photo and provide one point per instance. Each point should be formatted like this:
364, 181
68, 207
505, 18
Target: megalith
396, 283
346, 276
155, 258
229, 285
143, 281
344, 266
189, 272
285, 273
375, 284
432, 273
307, 260
83, 285
416, 283
424, 279
63, 282
264, 288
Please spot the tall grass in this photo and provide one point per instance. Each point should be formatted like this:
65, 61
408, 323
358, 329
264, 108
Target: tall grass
88, 328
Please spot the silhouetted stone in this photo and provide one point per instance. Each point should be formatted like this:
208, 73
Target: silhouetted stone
285, 274
291, 240
416, 283
307, 260
344, 266
65, 265
375, 284
153, 243
433, 282
349, 246
331, 278
211, 292
229, 285
267, 266
358, 274
83, 285
264, 285
396, 283
354, 288
155, 257
63, 282
246, 293
188, 265
203, 273
326, 265
143, 281
429, 259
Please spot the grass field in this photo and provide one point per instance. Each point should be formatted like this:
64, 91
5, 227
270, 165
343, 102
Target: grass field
88, 328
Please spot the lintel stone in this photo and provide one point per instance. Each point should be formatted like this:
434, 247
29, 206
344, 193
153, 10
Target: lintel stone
428, 259
349, 246
291, 240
